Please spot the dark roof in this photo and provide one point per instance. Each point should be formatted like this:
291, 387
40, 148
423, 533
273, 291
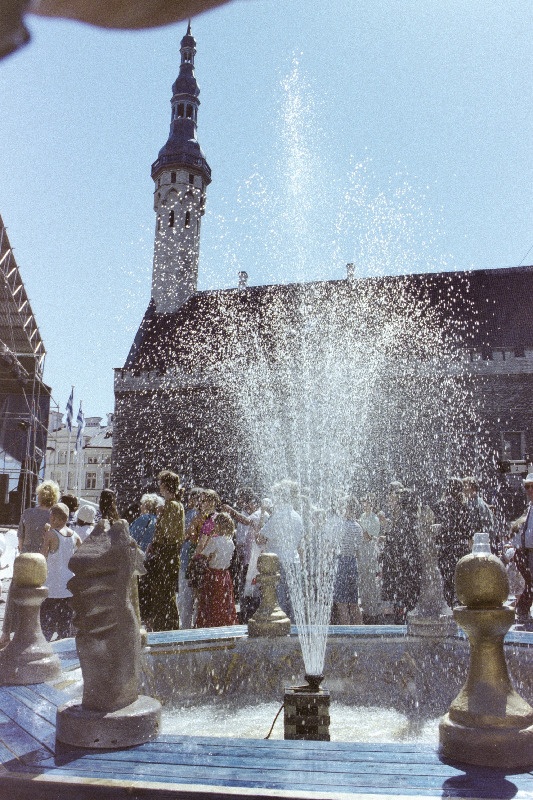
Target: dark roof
488, 308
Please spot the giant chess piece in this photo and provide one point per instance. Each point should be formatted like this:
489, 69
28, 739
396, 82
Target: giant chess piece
112, 713
432, 616
28, 658
488, 723
269, 619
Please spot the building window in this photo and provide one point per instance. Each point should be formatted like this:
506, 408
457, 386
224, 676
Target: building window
191, 178
189, 112
90, 480
107, 480
171, 219
181, 110
62, 457
92, 459
198, 226
187, 219
70, 481
106, 460
172, 177
513, 445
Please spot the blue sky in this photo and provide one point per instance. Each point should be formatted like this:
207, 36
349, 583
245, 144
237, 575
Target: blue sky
414, 154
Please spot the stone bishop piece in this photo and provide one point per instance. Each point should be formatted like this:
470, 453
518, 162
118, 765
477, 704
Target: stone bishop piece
108, 640
488, 723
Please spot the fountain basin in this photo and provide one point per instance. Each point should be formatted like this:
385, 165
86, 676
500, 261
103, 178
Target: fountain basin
216, 670
34, 764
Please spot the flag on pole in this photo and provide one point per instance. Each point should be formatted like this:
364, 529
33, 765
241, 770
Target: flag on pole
70, 410
80, 421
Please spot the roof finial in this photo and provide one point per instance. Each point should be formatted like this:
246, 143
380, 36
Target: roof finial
189, 28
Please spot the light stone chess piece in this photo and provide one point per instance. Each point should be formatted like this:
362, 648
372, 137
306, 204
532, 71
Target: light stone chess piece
432, 617
488, 723
28, 658
269, 619
111, 714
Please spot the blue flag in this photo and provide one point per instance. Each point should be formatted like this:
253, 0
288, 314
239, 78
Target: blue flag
80, 421
70, 410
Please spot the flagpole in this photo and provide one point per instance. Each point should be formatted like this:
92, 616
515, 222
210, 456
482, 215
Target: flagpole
69, 426
80, 422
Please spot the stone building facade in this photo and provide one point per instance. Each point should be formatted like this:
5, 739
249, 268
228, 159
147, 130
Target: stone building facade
172, 411
84, 473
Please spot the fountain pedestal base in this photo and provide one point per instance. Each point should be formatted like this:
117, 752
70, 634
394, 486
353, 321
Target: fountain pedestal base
505, 748
135, 724
306, 714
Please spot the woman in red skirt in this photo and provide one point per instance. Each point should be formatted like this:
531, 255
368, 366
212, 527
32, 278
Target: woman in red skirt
216, 601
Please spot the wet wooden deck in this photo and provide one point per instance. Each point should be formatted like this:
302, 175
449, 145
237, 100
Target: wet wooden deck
34, 766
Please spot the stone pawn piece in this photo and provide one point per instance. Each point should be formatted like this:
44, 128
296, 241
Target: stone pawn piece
269, 619
432, 617
488, 723
28, 658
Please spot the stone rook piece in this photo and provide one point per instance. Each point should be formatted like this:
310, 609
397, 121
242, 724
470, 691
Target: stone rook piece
269, 619
111, 714
432, 617
488, 723
28, 658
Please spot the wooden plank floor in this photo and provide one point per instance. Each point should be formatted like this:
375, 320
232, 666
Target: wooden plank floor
35, 767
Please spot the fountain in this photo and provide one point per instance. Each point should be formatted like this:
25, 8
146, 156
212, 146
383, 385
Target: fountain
335, 387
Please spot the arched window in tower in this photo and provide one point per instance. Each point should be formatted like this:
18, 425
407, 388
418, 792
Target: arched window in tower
187, 219
198, 226
189, 112
159, 223
172, 177
171, 219
181, 109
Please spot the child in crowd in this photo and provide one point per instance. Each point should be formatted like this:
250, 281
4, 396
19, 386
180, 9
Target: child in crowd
84, 522
215, 598
59, 545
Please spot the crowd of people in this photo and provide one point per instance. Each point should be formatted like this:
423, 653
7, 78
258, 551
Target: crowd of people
201, 554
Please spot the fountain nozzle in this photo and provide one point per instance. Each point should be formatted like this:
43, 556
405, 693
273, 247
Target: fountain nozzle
313, 682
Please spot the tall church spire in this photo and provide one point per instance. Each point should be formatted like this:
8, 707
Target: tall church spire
181, 175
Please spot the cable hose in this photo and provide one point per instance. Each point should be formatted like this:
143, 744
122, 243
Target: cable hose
275, 720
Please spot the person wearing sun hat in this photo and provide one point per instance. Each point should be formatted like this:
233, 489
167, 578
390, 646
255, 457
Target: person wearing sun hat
84, 522
523, 556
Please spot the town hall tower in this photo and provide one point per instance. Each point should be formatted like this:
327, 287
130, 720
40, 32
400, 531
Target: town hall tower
181, 175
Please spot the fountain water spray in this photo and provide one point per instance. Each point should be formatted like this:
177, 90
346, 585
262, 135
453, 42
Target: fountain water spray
340, 386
